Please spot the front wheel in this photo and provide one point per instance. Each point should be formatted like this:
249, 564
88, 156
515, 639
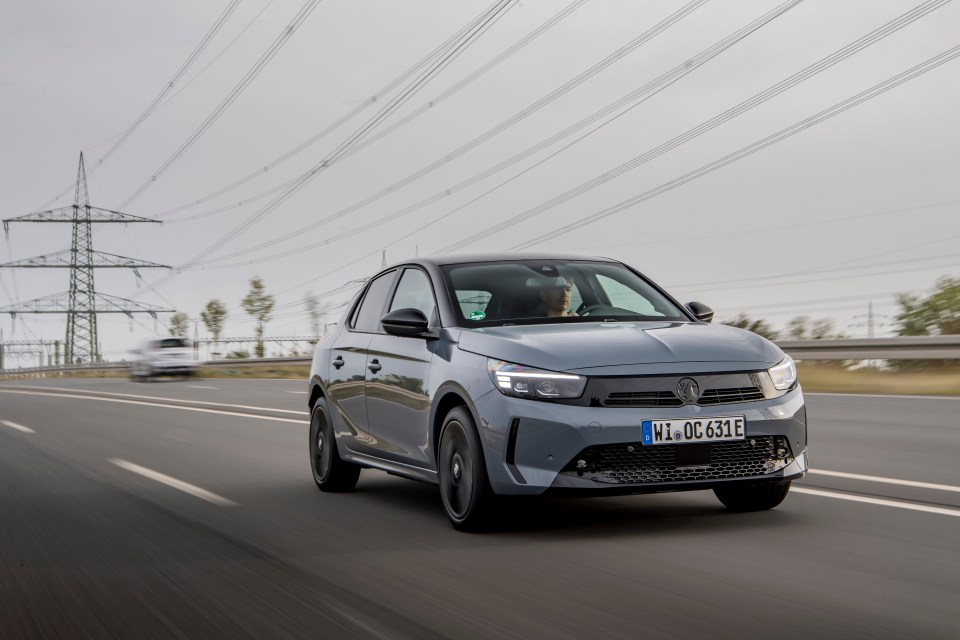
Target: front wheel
751, 497
329, 471
464, 488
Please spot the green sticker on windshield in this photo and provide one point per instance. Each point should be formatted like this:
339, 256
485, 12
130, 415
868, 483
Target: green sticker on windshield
477, 315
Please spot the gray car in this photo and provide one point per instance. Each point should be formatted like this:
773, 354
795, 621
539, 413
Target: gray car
521, 374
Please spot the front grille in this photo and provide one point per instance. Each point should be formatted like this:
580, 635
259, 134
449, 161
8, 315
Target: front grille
643, 399
727, 396
633, 463
670, 399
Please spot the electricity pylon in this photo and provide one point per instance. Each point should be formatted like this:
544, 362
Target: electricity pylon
81, 344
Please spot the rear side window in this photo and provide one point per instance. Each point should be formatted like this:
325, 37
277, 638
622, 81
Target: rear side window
174, 343
414, 292
371, 307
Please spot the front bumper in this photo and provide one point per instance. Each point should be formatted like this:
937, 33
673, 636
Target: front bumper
531, 447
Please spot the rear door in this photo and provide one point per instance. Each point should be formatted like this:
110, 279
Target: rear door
349, 367
398, 369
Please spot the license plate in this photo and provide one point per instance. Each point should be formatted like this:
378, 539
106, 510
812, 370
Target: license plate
693, 430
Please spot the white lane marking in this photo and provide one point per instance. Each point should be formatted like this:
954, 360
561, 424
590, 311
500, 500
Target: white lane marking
880, 395
131, 395
299, 392
18, 427
157, 404
877, 501
186, 487
905, 483
194, 386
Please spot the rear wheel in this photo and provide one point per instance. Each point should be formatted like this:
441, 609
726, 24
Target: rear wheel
751, 497
329, 471
464, 487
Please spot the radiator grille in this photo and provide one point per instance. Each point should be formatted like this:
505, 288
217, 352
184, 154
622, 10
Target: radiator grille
670, 399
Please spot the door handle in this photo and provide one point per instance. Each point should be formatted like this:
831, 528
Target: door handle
338, 362
374, 366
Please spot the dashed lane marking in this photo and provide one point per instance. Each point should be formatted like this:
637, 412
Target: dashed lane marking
18, 427
880, 479
897, 504
196, 386
180, 485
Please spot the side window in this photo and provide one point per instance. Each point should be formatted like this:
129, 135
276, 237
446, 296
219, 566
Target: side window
414, 292
371, 308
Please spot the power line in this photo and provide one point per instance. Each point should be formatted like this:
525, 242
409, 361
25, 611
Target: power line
503, 126
374, 99
798, 225
357, 135
642, 94
732, 284
155, 103
706, 126
759, 145
220, 54
234, 93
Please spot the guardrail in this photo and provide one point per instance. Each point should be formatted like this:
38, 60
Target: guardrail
902, 348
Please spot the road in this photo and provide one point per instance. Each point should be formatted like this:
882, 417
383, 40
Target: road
185, 509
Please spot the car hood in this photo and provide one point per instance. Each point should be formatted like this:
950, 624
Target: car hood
621, 347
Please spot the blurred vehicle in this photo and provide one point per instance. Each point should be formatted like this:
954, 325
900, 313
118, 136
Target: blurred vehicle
163, 357
525, 374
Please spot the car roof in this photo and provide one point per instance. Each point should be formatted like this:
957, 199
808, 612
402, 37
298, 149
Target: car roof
499, 257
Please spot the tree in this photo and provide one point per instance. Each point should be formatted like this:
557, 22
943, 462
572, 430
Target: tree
312, 303
937, 314
760, 327
180, 325
213, 316
804, 328
259, 304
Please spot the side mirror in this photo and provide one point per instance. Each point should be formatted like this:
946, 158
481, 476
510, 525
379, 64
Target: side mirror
405, 322
700, 311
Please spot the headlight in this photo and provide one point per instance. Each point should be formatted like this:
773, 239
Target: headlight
784, 375
525, 382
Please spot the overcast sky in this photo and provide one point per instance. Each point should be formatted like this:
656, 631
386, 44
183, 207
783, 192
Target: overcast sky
855, 209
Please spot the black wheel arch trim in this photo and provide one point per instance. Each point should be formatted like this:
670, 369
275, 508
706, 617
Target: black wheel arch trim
447, 388
317, 390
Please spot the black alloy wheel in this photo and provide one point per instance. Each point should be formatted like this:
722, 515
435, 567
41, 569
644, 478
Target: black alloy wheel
758, 497
329, 471
464, 488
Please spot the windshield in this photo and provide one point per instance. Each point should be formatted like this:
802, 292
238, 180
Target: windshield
537, 291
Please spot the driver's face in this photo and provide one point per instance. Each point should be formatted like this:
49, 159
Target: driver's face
558, 298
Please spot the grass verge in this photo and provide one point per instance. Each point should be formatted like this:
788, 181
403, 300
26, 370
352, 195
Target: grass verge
827, 378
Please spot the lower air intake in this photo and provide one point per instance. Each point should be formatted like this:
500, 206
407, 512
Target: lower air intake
633, 463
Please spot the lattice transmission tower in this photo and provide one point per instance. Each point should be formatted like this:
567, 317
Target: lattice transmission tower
82, 303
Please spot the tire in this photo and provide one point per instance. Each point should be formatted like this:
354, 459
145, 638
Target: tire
738, 497
464, 488
329, 472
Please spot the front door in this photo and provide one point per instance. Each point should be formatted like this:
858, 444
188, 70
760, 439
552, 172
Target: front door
398, 372
348, 367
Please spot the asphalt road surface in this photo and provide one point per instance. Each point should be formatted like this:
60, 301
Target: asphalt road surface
185, 509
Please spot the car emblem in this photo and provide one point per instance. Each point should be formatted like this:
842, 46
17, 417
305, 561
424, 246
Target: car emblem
688, 390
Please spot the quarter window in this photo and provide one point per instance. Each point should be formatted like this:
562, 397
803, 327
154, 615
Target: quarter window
414, 292
371, 308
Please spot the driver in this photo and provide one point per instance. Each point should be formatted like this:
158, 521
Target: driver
556, 298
